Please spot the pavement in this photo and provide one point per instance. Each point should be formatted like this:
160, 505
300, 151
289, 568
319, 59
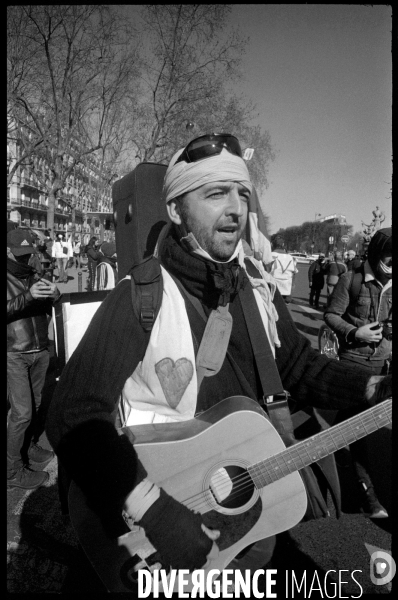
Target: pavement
44, 556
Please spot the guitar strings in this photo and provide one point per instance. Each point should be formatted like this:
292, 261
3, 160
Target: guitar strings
244, 481
365, 419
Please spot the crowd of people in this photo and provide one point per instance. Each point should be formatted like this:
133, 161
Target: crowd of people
330, 268
61, 254
220, 297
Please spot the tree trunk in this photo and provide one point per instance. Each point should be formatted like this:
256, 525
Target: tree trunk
50, 213
73, 230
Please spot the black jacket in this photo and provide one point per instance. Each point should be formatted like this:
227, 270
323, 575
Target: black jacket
82, 414
353, 264
92, 254
27, 323
316, 274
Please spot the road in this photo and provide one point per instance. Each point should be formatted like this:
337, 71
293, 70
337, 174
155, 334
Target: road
43, 555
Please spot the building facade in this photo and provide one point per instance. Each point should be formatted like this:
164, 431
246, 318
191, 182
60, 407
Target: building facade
87, 194
335, 218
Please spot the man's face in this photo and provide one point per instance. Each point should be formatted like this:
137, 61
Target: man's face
216, 214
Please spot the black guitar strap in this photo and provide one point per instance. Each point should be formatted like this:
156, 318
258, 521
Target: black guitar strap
265, 361
279, 412
277, 407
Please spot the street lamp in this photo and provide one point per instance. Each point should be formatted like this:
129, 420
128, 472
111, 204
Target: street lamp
314, 232
335, 222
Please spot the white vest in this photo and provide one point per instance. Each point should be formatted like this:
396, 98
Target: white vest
283, 269
163, 387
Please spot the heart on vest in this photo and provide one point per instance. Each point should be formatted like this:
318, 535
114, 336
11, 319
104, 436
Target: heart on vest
174, 378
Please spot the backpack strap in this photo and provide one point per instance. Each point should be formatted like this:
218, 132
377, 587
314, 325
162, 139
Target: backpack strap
146, 291
357, 278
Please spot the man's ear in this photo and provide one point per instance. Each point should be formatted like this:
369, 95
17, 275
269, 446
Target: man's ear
173, 210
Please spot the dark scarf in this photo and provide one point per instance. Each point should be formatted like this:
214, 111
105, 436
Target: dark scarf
108, 260
19, 270
212, 283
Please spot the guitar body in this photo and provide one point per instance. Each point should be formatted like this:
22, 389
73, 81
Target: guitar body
202, 463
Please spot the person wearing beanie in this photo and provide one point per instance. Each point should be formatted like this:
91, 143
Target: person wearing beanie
106, 269
29, 302
360, 313
209, 278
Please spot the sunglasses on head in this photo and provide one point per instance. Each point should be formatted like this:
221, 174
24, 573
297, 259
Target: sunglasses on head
210, 145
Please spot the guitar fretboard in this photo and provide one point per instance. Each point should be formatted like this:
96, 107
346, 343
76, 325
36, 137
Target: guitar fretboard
322, 444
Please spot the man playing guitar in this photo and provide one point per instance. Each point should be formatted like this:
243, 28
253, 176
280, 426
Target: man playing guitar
214, 288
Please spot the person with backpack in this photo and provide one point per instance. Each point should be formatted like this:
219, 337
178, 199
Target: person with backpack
334, 269
283, 269
360, 313
176, 338
106, 269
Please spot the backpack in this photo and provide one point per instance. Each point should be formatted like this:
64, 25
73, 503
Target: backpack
318, 478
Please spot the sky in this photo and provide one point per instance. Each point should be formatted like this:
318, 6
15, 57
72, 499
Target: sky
321, 77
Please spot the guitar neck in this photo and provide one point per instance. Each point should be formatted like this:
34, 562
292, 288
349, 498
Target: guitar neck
310, 450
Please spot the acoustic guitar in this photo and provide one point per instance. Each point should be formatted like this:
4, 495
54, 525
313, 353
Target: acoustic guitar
230, 465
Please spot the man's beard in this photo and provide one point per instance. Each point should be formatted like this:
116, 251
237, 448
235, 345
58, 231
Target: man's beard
218, 249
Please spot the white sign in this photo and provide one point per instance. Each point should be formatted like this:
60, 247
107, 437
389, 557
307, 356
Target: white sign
248, 154
331, 239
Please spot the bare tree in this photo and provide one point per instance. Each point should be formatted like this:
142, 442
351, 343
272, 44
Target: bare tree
192, 57
66, 94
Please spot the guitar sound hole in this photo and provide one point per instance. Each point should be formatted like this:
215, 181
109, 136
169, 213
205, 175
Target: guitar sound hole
231, 486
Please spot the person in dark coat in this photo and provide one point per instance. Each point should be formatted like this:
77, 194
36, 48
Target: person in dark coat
352, 261
29, 302
334, 269
360, 314
106, 270
92, 259
316, 278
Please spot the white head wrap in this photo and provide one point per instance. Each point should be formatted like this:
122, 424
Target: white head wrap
184, 177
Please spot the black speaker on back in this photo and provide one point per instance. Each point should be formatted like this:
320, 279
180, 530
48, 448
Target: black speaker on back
139, 214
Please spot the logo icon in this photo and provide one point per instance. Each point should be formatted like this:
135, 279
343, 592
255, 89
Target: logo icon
382, 565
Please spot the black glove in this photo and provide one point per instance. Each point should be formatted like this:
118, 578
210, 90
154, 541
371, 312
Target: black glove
379, 388
176, 533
